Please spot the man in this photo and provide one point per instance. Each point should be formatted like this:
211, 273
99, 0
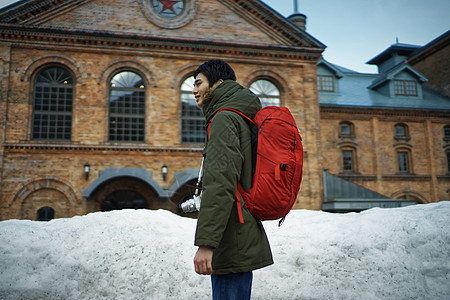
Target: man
228, 250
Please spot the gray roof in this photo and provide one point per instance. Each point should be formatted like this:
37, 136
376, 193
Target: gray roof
343, 195
434, 42
394, 71
354, 90
402, 49
338, 188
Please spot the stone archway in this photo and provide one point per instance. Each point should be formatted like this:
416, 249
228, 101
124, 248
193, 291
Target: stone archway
126, 192
36, 193
409, 195
45, 197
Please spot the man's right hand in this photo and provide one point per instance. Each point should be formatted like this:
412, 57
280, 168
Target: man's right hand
203, 260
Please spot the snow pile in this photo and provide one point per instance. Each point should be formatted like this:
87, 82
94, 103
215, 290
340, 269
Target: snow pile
399, 253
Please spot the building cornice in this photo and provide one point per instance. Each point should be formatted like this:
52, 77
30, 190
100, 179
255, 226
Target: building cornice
383, 111
36, 11
112, 40
70, 147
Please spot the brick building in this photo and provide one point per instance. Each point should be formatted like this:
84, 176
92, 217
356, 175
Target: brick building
433, 60
387, 132
97, 113
96, 107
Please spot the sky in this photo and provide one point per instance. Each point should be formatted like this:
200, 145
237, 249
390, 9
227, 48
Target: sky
379, 254
355, 31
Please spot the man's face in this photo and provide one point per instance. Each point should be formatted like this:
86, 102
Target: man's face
201, 90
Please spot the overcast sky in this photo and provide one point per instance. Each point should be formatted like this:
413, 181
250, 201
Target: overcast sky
355, 31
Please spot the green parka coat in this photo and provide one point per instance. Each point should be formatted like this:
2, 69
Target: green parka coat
237, 247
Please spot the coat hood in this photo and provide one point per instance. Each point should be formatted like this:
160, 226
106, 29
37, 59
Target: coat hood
231, 94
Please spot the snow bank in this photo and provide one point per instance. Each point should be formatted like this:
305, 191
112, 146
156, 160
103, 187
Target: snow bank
399, 253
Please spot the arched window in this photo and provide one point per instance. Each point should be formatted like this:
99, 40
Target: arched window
267, 92
127, 108
346, 129
52, 105
45, 214
192, 119
401, 132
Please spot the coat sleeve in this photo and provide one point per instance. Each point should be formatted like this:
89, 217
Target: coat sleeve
222, 169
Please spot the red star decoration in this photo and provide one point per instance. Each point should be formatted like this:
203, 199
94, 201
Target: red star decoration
168, 4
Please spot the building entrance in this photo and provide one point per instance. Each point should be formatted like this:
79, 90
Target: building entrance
123, 199
123, 193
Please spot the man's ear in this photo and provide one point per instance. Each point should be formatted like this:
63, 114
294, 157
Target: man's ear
215, 85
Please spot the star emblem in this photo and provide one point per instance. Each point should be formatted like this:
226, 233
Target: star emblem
168, 4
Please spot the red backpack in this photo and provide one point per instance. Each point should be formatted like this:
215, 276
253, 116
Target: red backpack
279, 161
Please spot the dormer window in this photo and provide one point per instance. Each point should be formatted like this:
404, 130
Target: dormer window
325, 83
405, 88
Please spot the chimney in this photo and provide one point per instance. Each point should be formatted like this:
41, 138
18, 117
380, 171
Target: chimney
299, 20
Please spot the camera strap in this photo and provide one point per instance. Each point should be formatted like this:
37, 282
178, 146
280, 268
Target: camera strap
200, 176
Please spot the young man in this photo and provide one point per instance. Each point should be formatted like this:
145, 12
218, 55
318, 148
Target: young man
228, 250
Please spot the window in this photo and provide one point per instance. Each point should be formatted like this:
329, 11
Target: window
446, 133
403, 161
405, 88
127, 108
267, 92
45, 214
346, 129
401, 132
448, 161
192, 120
325, 83
52, 105
348, 164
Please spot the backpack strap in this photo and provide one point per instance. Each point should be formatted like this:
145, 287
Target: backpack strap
230, 109
238, 203
239, 189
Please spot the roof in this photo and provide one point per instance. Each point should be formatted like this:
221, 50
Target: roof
401, 49
390, 75
343, 195
435, 45
354, 91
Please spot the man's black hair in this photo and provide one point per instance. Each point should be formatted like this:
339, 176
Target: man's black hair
214, 70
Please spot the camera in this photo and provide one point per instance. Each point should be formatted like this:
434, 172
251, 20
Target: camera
190, 205
193, 205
